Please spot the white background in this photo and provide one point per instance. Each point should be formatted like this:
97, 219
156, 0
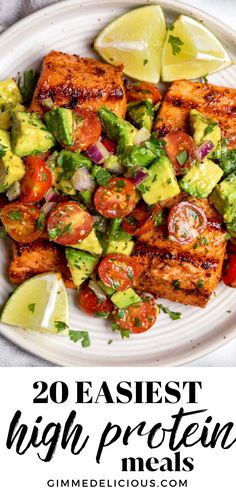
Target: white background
214, 471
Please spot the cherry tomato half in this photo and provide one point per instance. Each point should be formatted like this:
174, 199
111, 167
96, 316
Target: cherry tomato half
88, 129
137, 317
229, 275
90, 304
180, 148
36, 181
118, 271
24, 223
185, 222
117, 199
69, 223
143, 91
141, 219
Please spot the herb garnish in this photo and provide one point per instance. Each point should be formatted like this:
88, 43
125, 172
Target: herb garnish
27, 84
176, 284
74, 335
175, 43
209, 128
3, 150
31, 307
172, 314
14, 215
182, 157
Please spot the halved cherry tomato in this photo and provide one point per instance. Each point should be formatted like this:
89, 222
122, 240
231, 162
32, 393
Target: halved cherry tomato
141, 219
117, 199
119, 271
143, 91
69, 223
137, 318
229, 274
24, 223
36, 181
88, 129
91, 305
109, 145
185, 222
180, 148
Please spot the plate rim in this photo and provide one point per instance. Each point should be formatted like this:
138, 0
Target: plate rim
175, 5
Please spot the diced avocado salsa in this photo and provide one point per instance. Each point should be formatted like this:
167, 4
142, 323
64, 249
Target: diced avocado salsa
94, 199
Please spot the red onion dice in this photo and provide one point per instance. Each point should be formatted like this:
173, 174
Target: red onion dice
204, 150
47, 207
82, 180
97, 290
51, 195
97, 153
139, 177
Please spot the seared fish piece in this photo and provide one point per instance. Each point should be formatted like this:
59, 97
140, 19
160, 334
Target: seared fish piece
72, 81
213, 101
38, 257
186, 273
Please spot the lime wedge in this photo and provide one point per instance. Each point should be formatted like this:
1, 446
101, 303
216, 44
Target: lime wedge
135, 40
38, 303
191, 51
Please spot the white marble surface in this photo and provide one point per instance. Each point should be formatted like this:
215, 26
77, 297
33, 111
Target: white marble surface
10, 355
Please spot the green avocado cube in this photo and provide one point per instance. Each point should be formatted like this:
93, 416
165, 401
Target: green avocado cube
29, 135
81, 264
11, 166
60, 123
141, 114
204, 129
116, 128
90, 244
224, 197
201, 179
125, 298
161, 183
9, 93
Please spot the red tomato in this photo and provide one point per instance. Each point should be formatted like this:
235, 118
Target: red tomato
36, 181
117, 199
69, 223
119, 271
137, 318
24, 223
88, 129
141, 220
185, 222
91, 305
143, 91
180, 148
109, 145
229, 275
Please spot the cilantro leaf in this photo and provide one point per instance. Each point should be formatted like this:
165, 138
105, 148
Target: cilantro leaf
182, 157
60, 326
31, 307
27, 84
209, 128
76, 335
175, 43
102, 177
172, 314
3, 150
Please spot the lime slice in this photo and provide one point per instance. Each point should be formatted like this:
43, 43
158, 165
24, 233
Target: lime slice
135, 40
38, 303
191, 51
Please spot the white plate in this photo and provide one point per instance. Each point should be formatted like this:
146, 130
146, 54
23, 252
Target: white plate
71, 26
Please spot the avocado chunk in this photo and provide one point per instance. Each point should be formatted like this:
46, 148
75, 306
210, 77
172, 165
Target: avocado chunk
67, 163
60, 123
204, 129
81, 264
9, 93
224, 198
121, 131
118, 241
11, 166
227, 161
5, 116
161, 183
141, 114
90, 244
29, 135
201, 179
125, 298
231, 227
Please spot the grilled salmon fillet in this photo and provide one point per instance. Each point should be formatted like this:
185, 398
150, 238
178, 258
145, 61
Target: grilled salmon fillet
186, 273
38, 257
71, 81
216, 102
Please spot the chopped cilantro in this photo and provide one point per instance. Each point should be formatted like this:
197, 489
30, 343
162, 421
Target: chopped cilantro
3, 150
137, 322
102, 177
182, 157
40, 222
31, 307
130, 274
205, 79
54, 233
204, 240
27, 84
125, 334
14, 215
102, 314
195, 246
171, 27
158, 220
175, 43
145, 62
209, 128
3, 233
200, 283
109, 341
176, 284
60, 326
227, 236
76, 335
172, 314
